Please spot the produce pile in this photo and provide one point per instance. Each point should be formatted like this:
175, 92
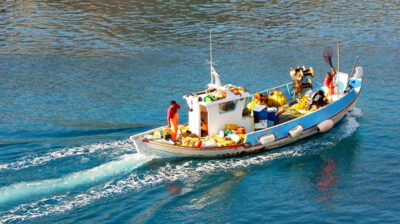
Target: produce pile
276, 99
235, 89
302, 104
258, 99
221, 94
301, 108
232, 135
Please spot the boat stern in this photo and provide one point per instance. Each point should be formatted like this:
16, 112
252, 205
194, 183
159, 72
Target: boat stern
138, 142
356, 80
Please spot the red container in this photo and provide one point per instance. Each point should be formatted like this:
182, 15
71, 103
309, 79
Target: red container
241, 130
198, 144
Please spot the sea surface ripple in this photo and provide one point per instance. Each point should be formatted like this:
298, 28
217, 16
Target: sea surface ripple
77, 78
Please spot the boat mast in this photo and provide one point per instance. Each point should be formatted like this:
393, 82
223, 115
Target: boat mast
217, 81
211, 60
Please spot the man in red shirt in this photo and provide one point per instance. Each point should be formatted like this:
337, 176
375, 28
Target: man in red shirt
173, 118
329, 86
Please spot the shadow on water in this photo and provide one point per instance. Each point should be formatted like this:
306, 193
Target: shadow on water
199, 194
326, 171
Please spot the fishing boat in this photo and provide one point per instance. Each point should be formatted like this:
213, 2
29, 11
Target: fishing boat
240, 123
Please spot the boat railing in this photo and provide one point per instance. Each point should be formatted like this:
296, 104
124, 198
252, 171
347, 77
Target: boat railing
276, 87
148, 132
285, 88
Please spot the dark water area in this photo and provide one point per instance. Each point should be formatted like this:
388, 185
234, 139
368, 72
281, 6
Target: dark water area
77, 78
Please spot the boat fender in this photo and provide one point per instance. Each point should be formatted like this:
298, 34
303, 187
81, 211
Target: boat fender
325, 125
295, 131
265, 139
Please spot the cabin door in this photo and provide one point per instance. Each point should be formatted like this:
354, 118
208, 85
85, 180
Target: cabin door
204, 120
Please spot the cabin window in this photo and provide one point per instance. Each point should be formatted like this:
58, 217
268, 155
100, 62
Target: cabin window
227, 106
246, 112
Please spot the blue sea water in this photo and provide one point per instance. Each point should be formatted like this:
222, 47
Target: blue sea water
77, 78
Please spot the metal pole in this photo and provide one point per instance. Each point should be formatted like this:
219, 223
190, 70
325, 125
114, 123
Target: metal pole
338, 67
338, 56
211, 59
354, 66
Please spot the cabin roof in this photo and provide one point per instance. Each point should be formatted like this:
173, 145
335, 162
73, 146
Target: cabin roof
230, 96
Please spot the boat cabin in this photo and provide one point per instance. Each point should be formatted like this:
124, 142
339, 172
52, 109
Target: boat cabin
218, 106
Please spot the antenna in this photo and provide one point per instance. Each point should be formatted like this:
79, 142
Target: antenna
210, 48
212, 70
211, 60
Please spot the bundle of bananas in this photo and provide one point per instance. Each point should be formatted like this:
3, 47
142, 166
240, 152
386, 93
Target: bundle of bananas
235, 89
258, 99
302, 104
224, 141
183, 127
189, 141
276, 99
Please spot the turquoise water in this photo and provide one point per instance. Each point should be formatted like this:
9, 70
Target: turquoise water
78, 78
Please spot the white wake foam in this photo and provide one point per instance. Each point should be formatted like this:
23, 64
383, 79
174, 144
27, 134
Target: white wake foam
356, 112
189, 170
350, 125
30, 161
25, 189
